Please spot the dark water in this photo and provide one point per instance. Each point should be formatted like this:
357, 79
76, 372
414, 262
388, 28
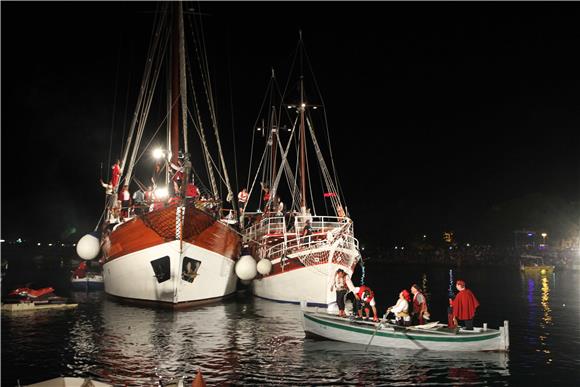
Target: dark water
256, 342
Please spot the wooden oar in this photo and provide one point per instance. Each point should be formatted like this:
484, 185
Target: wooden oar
379, 326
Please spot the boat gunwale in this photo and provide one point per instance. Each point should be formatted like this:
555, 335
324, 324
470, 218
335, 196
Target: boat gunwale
490, 334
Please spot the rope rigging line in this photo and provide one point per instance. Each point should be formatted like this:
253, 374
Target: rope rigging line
200, 127
284, 162
145, 112
290, 179
309, 181
254, 182
232, 110
252, 146
326, 173
182, 79
205, 73
326, 126
200, 132
114, 107
144, 86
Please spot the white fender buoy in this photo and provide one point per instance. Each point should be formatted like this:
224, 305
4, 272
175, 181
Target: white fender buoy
88, 247
246, 268
264, 266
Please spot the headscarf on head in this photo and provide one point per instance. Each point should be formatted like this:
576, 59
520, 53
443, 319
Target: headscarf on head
406, 295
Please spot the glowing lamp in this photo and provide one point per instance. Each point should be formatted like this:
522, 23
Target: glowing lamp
161, 193
158, 153
543, 271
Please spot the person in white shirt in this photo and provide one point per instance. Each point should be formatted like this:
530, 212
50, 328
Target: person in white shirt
342, 284
401, 309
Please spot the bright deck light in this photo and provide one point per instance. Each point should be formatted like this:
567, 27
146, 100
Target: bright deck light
158, 153
161, 193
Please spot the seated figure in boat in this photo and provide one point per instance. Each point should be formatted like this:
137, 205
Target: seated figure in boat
401, 309
365, 298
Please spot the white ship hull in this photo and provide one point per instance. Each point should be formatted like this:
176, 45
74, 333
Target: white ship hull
132, 276
307, 276
310, 284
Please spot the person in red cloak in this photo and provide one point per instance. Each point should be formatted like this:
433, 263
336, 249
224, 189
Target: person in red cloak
80, 271
116, 174
464, 305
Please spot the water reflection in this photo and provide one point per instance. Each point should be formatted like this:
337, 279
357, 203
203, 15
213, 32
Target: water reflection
246, 341
401, 367
537, 318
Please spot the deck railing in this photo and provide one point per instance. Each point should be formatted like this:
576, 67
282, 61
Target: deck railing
277, 225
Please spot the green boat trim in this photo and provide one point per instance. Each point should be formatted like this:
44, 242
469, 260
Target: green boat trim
405, 335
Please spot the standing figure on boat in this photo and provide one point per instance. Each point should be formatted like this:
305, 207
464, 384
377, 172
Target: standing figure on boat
177, 176
342, 284
266, 197
125, 198
401, 309
149, 195
279, 206
307, 231
116, 177
108, 189
138, 202
419, 312
242, 199
365, 298
192, 192
464, 306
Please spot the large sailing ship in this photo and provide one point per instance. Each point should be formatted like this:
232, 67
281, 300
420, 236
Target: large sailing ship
177, 251
297, 248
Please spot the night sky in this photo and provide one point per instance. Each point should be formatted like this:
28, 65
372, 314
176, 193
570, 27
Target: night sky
443, 116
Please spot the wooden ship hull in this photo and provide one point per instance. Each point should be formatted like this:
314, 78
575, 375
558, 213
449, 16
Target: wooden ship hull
175, 256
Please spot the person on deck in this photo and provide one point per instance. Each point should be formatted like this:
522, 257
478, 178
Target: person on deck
464, 305
149, 195
307, 231
191, 191
401, 309
266, 197
279, 209
365, 298
177, 176
108, 189
138, 202
125, 198
419, 312
242, 199
341, 284
116, 174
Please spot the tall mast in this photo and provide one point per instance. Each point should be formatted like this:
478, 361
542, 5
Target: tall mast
274, 130
175, 86
302, 139
182, 83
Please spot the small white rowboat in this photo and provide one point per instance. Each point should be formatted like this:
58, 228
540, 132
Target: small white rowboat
435, 337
